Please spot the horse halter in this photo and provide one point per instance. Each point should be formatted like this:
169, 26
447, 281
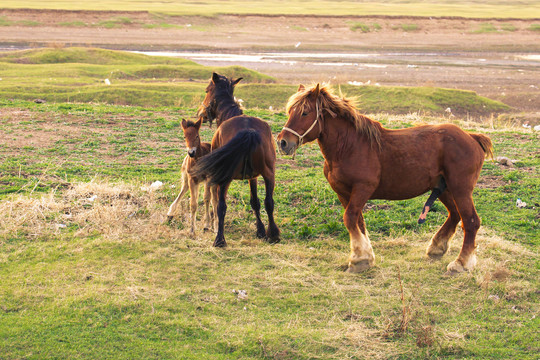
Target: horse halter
301, 137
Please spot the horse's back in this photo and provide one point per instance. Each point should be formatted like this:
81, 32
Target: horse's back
264, 156
412, 160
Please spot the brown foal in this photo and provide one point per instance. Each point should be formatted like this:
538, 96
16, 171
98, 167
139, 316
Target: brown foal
196, 149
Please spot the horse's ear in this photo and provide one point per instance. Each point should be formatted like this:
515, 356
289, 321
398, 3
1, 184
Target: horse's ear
316, 91
215, 77
198, 123
236, 81
184, 123
301, 87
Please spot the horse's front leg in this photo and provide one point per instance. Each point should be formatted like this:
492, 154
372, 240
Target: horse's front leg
272, 234
362, 256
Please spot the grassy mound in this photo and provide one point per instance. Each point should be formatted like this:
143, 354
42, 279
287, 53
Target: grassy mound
79, 75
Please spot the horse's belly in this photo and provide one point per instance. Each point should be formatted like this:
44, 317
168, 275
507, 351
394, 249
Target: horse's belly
405, 186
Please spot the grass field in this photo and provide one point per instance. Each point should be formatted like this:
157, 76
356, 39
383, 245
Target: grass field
104, 278
89, 269
464, 8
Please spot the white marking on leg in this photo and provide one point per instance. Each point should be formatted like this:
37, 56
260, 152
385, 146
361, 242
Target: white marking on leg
361, 249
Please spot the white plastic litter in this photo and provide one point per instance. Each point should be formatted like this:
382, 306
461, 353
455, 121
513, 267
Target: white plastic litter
521, 204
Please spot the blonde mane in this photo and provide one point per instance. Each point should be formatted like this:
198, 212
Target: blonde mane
337, 106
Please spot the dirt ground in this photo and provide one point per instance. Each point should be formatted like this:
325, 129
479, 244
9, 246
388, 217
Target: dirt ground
502, 63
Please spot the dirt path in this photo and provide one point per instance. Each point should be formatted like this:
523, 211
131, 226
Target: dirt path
499, 67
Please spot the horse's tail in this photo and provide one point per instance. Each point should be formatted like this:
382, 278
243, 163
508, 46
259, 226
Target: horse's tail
485, 143
219, 166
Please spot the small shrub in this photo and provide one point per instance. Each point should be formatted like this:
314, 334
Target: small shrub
410, 27
72, 24
486, 28
508, 27
534, 27
4, 21
298, 28
360, 26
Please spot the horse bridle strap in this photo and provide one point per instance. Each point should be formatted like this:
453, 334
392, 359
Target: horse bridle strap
301, 137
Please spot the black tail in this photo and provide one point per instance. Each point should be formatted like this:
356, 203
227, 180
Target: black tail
220, 164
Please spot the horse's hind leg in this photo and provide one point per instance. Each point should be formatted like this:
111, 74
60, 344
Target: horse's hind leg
470, 223
256, 206
221, 211
439, 242
272, 234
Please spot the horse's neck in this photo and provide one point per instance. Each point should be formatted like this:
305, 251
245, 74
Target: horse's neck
337, 138
227, 109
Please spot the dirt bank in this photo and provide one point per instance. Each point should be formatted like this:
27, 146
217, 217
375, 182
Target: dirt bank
493, 42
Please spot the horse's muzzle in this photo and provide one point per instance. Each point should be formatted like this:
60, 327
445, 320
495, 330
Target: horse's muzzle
285, 147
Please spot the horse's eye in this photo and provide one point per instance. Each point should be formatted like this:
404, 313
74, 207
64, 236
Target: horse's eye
304, 114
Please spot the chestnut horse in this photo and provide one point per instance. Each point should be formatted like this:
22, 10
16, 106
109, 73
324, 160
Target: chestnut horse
196, 149
242, 148
364, 160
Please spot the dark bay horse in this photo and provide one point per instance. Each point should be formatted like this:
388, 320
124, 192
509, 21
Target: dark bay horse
242, 148
364, 160
196, 149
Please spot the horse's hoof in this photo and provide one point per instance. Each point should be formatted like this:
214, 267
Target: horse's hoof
220, 243
456, 266
261, 234
435, 252
272, 240
360, 266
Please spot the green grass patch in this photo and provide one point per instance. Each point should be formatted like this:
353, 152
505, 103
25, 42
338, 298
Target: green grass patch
534, 27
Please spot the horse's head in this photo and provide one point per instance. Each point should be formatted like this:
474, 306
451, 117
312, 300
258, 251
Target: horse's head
304, 116
220, 87
191, 135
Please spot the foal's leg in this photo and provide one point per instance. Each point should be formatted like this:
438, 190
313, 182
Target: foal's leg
272, 234
362, 256
470, 222
439, 242
194, 192
256, 206
221, 211
173, 209
207, 195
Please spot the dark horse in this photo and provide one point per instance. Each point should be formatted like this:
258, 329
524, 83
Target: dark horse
365, 161
242, 148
